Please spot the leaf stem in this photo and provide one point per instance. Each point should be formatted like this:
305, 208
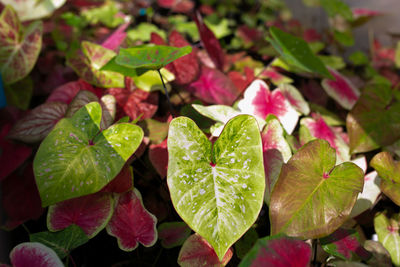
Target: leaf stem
166, 93
157, 257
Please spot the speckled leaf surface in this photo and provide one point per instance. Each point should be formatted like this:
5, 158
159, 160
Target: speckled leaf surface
33, 9
312, 196
278, 251
89, 62
151, 57
78, 159
19, 47
216, 189
375, 119
389, 171
387, 230
35, 255
91, 213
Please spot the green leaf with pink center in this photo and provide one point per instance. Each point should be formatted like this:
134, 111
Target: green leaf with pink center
312, 196
19, 46
77, 158
387, 230
217, 189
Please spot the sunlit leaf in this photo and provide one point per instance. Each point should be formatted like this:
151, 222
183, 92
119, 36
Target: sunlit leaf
387, 230
217, 190
34, 9
295, 98
371, 191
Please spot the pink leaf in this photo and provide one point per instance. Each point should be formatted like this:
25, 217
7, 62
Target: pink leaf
341, 89
210, 42
259, 101
156, 39
295, 98
187, 67
116, 38
122, 182
173, 234
242, 81
20, 197
91, 213
196, 251
12, 154
275, 77
66, 92
183, 6
158, 155
131, 223
33, 254
38, 123
214, 87
365, 13
311, 35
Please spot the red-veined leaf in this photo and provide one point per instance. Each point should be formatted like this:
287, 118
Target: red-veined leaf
34, 254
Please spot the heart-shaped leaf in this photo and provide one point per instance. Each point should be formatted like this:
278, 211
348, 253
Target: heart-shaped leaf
369, 196
150, 57
19, 48
88, 63
389, 171
312, 196
38, 123
131, 223
387, 230
173, 234
62, 242
375, 119
33, 9
341, 89
278, 251
34, 254
78, 159
216, 189
196, 251
345, 244
296, 52
91, 213
260, 101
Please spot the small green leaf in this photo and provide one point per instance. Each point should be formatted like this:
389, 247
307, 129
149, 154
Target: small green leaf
337, 7
388, 234
296, 51
78, 159
61, 242
216, 189
151, 57
312, 196
143, 32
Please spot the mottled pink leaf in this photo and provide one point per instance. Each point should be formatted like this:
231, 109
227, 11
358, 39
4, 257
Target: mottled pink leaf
158, 155
210, 42
274, 76
66, 92
91, 213
383, 56
182, 6
131, 223
37, 124
259, 101
116, 38
295, 98
316, 127
196, 251
364, 13
33, 254
19, 47
187, 67
12, 154
122, 182
20, 197
214, 87
341, 90
173, 234
345, 244
278, 251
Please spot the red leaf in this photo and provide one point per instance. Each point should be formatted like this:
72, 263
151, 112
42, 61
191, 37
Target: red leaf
196, 251
91, 213
131, 223
182, 6
210, 42
214, 87
365, 13
66, 92
37, 124
12, 155
158, 155
242, 81
156, 39
116, 38
122, 182
311, 35
187, 67
20, 197
33, 254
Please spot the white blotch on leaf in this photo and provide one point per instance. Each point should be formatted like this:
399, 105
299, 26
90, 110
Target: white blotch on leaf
202, 191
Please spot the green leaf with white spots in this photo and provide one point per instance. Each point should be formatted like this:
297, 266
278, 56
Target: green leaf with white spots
387, 230
217, 189
78, 159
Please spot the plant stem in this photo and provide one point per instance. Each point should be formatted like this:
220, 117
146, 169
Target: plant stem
157, 257
315, 247
166, 93
26, 228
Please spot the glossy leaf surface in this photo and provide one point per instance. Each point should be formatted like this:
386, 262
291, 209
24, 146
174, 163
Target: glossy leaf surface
312, 196
78, 159
216, 189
